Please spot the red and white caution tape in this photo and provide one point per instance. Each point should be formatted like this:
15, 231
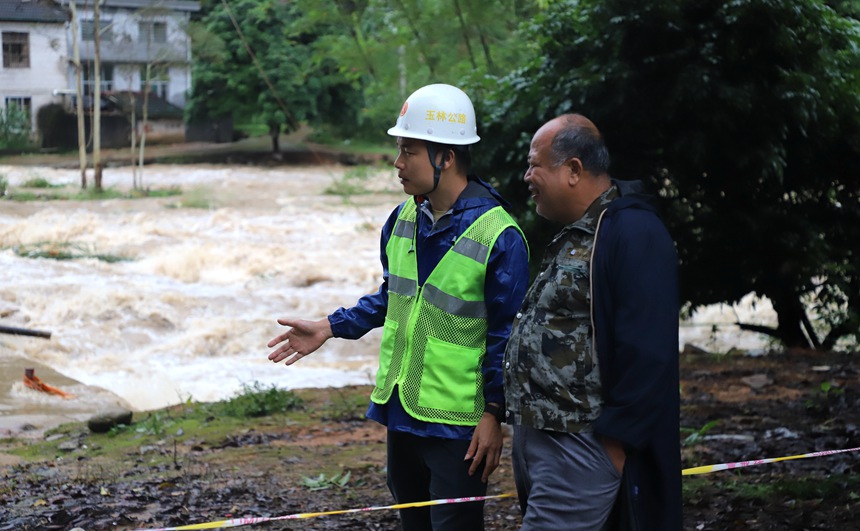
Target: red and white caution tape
236, 522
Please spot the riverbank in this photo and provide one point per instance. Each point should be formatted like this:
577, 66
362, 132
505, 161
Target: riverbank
295, 149
27, 414
193, 463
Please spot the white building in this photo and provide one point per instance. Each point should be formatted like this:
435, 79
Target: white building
34, 63
136, 36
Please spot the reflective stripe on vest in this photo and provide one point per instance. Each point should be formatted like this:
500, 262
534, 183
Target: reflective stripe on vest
434, 337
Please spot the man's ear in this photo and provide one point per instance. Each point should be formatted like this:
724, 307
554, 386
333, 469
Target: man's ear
576, 169
450, 159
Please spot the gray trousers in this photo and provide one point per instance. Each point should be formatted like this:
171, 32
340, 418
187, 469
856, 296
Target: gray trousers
565, 481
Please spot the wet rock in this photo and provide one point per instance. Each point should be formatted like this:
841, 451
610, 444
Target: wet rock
103, 421
690, 348
781, 433
757, 381
68, 446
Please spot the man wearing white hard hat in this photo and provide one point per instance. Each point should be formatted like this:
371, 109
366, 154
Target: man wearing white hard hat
455, 270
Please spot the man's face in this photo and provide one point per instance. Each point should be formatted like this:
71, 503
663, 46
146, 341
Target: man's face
413, 166
549, 187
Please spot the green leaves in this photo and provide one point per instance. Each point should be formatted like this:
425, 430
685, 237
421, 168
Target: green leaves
744, 115
323, 482
346, 65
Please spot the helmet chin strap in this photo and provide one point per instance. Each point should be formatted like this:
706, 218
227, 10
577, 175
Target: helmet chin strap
437, 168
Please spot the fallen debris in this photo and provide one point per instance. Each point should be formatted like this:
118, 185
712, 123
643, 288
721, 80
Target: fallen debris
33, 382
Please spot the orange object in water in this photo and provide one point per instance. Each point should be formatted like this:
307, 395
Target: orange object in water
33, 382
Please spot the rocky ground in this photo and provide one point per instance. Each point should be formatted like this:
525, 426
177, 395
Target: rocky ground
192, 465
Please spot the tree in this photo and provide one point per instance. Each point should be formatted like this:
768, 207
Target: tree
97, 101
744, 115
349, 63
263, 68
79, 96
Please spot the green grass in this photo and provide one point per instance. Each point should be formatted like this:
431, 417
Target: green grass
195, 198
355, 181
208, 423
256, 400
163, 192
54, 192
695, 436
796, 487
323, 482
252, 129
65, 251
40, 182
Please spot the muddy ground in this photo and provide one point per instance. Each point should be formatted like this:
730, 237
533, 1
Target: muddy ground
166, 472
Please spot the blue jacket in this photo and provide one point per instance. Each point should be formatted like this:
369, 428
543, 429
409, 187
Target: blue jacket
634, 267
505, 286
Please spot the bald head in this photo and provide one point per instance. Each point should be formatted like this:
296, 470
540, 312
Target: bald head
574, 135
568, 167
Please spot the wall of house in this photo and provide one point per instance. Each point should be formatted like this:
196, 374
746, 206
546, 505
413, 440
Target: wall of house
162, 132
47, 71
126, 54
129, 77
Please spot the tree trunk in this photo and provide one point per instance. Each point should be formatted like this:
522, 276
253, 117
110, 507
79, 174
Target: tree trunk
490, 65
132, 150
428, 60
356, 33
275, 132
97, 102
459, 13
145, 123
790, 316
79, 99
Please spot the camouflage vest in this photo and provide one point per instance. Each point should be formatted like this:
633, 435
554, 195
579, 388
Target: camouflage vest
552, 375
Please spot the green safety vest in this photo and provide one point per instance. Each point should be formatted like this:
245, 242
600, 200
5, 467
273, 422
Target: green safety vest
435, 336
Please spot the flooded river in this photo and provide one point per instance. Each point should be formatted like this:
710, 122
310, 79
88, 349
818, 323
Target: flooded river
187, 312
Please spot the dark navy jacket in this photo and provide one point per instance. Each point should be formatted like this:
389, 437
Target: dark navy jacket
505, 287
635, 304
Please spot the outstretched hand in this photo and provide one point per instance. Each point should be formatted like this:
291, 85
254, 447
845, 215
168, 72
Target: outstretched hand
300, 340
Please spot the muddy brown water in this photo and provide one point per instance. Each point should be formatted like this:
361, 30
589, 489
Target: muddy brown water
187, 313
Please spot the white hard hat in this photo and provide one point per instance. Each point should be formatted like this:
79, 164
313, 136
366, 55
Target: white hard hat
438, 113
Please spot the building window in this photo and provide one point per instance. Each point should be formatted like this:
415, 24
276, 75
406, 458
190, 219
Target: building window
89, 82
16, 50
88, 30
159, 80
18, 113
152, 32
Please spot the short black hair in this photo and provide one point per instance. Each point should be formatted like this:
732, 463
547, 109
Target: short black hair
462, 154
585, 143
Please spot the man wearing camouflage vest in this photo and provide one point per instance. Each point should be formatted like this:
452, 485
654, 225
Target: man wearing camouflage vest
591, 368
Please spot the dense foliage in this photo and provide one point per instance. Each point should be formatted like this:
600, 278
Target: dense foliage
744, 115
343, 66
14, 128
255, 62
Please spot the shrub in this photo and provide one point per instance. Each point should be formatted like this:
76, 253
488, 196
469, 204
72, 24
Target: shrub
255, 400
